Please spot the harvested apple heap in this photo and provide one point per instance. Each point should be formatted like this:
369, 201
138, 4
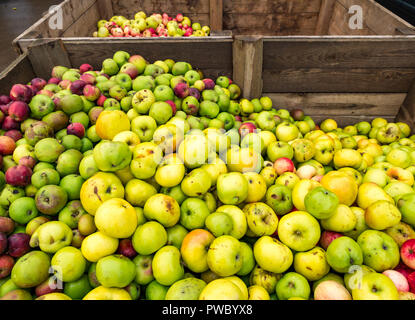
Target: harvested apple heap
149, 181
154, 25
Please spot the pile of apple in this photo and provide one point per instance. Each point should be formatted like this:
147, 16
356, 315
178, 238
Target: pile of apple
147, 180
154, 25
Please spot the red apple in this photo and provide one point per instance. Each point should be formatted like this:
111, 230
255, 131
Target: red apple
404, 269
245, 128
126, 248
172, 105
3, 242
398, 279
408, 253
50, 285
6, 225
14, 134
19, 111
18, 176
6, 265
85, 67
5, 99
18, 244
411, 282
194, 92
48, 93
7, 145
38, 83
77, 87
181, 90
21, 92
76, 129
88, 78
282, 165
27, 161
9, 123
209, 83
54, 81
101, 100
327, 237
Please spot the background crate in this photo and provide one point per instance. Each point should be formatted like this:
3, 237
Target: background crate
238, 17
349, 78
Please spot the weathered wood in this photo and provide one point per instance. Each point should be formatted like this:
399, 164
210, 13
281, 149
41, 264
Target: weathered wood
271, 7
105, 9
377, 18
71, 10
212, 55
339, 52
271, 24
19, 71
247, 65
130, 7
407, 111
340, 104
339, 23
86, 23
216, 14
338, 80
324, 16
46, 55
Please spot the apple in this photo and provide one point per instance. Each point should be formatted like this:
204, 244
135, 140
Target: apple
18, 245
282, 165
407, 253
272, 255
224, 257
375, 286
292, 285
400, 281
194, 249
299, 230
321, 203
261, 219
327, 237
343, 253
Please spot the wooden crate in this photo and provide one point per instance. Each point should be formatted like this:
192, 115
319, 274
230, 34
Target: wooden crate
240, 17
349, 78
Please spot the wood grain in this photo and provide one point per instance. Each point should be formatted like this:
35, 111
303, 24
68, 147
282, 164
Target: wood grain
407, 111
338, 80
339, 52
271, 6
19, 71
377, 18
247, 65
324, 16
216, 15
130, 7
337, 104
213, 54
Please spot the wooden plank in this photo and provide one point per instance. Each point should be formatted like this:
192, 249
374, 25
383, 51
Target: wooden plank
216, 14
378, 18
340, 104
247, 65
19, 71
71, 11
86, 24
339, 52
46, 55
343, 121
130, 7
386, 80
407, 111
339, 23
105, 9
271, 7
326, 11
213, 54
271, 24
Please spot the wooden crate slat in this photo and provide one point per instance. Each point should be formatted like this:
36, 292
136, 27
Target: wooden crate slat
340, 104
266, 6
130, 7
19, 71
338, 80
344, 52
324, 16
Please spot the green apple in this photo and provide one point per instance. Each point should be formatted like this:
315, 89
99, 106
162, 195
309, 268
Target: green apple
193, 213
248, 259
343, 253
175, 235
112, 155
23, 209
224, 256
292, 285
312, 264
279, 149
144, 127
266, 279
110, 67
163, 93
115, 271
375, 286
146, 158
272, 255
219, 223
68, 264
156, 291
162, 208
299, 230
77, 289
286, 132
239, 191
143, 100
149, 237
143, 82
196, 183
31, 269
261, 219
406, 205
144, 272
166, 265
209, 109
387, 251
161, 112
377, 176
321, 203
